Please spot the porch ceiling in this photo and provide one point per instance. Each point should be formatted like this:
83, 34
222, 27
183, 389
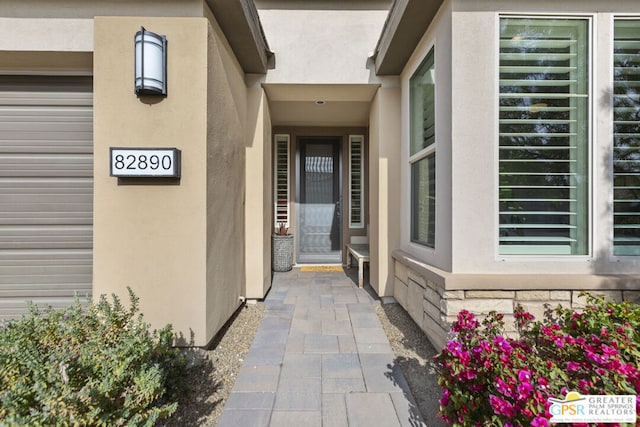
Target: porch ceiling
320, 105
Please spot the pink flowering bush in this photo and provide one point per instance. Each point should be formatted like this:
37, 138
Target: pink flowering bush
491, 380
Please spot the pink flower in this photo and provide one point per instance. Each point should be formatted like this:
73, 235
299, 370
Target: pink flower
524, 375
501, 406
503, 345
503, 388
486, 346
609, 351
597, 359
444, 400
467, 374
466, 321
524, 390
453, 347
584, 386
543, 382
573, 366
539, 422
465, 358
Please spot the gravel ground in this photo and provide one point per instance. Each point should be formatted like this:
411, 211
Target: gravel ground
414, 353
214, 371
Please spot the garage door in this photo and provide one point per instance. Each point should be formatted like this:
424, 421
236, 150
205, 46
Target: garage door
46, 191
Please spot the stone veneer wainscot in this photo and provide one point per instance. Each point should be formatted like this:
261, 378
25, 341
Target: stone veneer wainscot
421, 292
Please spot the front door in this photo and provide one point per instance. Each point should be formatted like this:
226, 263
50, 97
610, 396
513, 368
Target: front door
319, 236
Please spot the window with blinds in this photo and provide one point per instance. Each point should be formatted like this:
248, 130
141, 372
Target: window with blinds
422, 157
543, 136
356, 181
281, 180
626, 138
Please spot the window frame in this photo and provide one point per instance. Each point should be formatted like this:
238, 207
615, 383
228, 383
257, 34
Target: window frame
591, 129
616, 257
357, 225
286, 138
422, 154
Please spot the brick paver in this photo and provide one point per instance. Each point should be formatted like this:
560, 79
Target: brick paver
320, 358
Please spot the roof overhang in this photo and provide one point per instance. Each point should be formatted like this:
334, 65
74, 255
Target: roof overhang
320, 104
241, 25
407, 22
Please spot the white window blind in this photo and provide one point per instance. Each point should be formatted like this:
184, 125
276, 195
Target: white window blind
543, 137
356, 181
423, 198
423, 118
626, 139
422, 156
281, 180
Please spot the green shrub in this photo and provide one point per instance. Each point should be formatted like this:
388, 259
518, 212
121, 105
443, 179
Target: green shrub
87, 365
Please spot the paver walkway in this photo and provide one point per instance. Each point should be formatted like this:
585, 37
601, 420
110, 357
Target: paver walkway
320, 358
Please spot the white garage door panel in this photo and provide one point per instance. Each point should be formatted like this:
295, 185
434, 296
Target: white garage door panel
45, 165
21, 282
35, 98
45, 237
46, 191
69, 268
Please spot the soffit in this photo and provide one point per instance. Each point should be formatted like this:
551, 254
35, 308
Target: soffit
407, 22
324, 4
341, 104
240, 23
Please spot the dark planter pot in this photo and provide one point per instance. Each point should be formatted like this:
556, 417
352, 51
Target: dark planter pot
282, 252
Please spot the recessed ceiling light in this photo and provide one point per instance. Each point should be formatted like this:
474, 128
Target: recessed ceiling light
319, 102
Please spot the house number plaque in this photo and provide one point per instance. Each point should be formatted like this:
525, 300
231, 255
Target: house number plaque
145, 162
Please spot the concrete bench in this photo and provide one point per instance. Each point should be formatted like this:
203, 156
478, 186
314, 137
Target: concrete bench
361, 253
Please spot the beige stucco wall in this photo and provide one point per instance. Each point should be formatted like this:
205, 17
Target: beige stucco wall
178, 245
310, 41
438, 37
46, 45
476, 126
384, 182
48, 9
42, 35
259, 195
469, 30
227, 122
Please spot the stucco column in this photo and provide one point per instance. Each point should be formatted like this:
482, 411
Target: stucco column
178, 244
259, 204
384, 179
149, 234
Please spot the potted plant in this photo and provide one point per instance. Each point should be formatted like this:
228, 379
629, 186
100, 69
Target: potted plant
282, 248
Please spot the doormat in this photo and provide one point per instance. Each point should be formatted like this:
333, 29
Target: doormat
320, 268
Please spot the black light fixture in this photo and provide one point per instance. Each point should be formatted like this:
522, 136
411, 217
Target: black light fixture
150, 63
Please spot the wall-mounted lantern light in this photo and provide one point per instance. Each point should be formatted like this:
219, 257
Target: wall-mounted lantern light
150, 63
